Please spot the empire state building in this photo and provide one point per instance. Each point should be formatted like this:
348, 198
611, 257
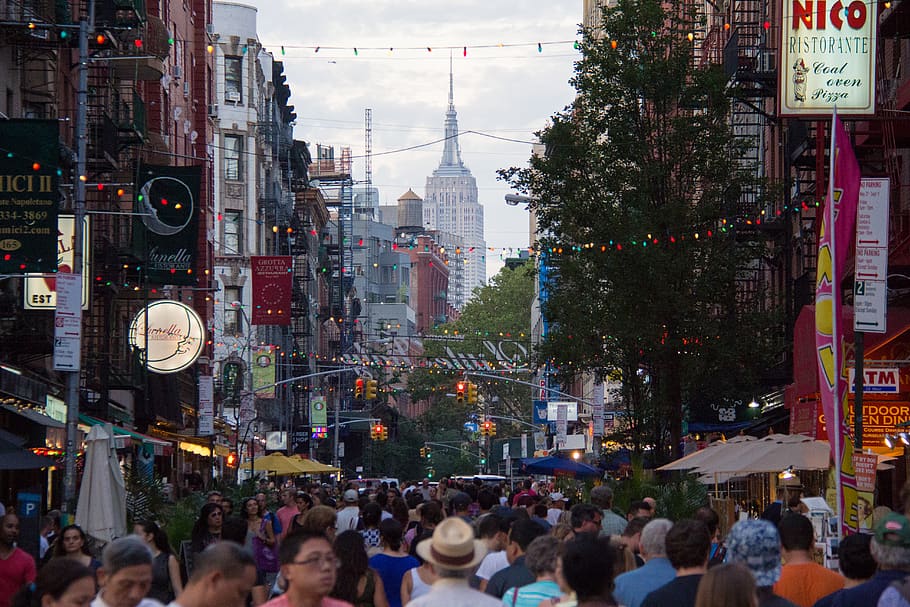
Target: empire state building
450, 206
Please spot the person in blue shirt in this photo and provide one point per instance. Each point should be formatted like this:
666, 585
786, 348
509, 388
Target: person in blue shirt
632, 587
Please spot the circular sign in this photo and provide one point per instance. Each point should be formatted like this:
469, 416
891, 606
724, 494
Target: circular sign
167, 205
174, 335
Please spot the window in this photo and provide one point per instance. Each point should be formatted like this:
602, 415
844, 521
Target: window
233, 322
233, 233
233, 150
233, 79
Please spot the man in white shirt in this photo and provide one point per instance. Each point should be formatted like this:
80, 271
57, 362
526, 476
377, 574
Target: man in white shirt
223, 575
125, 576
493, 530
349, 516
454, 554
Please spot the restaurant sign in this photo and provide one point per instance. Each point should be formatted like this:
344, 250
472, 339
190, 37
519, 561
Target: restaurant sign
168, 335
827, 57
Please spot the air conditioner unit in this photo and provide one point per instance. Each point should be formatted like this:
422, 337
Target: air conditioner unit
186, 88
232, 96
210, 29
178, 71
213, 111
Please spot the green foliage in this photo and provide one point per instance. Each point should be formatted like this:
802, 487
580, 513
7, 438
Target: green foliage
645, 157
145, 497
178, 518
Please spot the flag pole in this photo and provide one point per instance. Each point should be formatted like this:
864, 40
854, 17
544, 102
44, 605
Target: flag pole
834, 426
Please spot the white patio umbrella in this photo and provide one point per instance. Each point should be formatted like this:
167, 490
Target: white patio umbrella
101, 509
716, 451
774, 453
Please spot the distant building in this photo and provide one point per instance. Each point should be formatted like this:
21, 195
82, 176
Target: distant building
451, 206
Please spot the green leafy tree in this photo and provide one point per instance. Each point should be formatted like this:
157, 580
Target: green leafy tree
637, 198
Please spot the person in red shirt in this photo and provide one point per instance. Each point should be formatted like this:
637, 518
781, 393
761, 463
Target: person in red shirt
17, 567
287, 512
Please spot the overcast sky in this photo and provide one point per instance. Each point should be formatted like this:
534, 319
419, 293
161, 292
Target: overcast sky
502, 91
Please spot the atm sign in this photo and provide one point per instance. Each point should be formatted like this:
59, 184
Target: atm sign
881, 381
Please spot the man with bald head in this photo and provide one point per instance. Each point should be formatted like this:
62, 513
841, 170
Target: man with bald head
17, 567
223, 575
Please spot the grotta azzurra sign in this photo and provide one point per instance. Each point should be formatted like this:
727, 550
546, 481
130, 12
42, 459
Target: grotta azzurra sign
168, 335
827, 57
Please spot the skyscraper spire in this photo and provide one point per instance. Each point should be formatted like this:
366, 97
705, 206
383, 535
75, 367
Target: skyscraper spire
451, 153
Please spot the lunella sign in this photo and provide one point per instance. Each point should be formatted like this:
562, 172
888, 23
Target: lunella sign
168, 334
827, 58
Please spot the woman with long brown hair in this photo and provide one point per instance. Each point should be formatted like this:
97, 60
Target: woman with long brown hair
356, 582
730, 585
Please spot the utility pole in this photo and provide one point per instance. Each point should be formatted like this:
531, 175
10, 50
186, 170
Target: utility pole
86, 26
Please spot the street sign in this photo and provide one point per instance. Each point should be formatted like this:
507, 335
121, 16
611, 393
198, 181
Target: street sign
870, 287
68, 322
471, 427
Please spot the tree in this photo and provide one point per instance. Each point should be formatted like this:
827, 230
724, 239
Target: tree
635, 198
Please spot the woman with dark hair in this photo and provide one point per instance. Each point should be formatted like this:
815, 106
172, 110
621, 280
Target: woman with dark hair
730, 585
399, 509
370, 515
260, 539
356, 583
587, 567
62, 582
207, 528
166, 581
431, 514
304, 503
417, 581
72, 543
392, 563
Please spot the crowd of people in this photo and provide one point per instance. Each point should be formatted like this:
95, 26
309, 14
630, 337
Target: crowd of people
459, 544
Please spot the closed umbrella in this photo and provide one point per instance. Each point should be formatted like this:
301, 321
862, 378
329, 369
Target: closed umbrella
101, 509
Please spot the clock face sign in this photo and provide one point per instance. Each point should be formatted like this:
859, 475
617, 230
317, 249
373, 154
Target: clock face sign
264, 360
168, 334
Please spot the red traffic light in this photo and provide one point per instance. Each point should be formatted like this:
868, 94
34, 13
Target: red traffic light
232, 459
100, 39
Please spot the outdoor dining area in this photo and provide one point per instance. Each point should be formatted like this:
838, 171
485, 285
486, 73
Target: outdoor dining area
278, 464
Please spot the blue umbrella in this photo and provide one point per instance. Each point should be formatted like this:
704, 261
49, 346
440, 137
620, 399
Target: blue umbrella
553, 466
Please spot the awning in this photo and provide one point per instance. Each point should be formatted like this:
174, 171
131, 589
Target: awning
13, 457
161, 447
34, 415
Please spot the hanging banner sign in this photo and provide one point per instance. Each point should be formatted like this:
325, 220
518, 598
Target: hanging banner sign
562, 410
40, 290
28, 195
318, 413
864, 464
172, 340
827, 57
597, 413
206, 405
165, 232
272, 284
264, 372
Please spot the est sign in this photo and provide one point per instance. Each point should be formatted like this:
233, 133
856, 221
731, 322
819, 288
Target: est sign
882, 381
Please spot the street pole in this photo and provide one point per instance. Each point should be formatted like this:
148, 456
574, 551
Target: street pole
86, 25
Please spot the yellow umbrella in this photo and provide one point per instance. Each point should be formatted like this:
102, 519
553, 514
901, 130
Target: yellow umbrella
311, 466
276, 463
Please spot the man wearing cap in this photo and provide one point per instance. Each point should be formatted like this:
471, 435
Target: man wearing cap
349, 516
453, 553
632, 587
756, 545
891, 550
556, 508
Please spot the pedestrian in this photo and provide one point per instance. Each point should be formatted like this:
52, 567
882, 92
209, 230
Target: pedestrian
280, 520
125, 575
632, 587
776, 508
418, 580
755, 544
260, 540
304, 502
356, 582
349, 516
73, 544
208, 526
223, 577
639, 508
688, 544
392, 563
372, 513
854, 559
631, 538
17, 567
521, 534
493, 530
730, 585
802, 580
320, 519
453, 554
588, 518
430, 515
60, 583
541, 560
166, 580
890, 548
556, 505
587, 566
309, 568
709, 517
227, 507
45, 528
611, 523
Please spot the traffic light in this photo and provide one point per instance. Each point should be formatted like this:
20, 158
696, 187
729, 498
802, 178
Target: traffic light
383, 433
485, 429
423, 452
358, 388
459, 391
492, 428
102, 40
375, 431
483, 461
472, 393
371, 389
232, 459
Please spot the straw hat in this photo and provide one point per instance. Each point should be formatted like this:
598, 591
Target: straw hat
453, 546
